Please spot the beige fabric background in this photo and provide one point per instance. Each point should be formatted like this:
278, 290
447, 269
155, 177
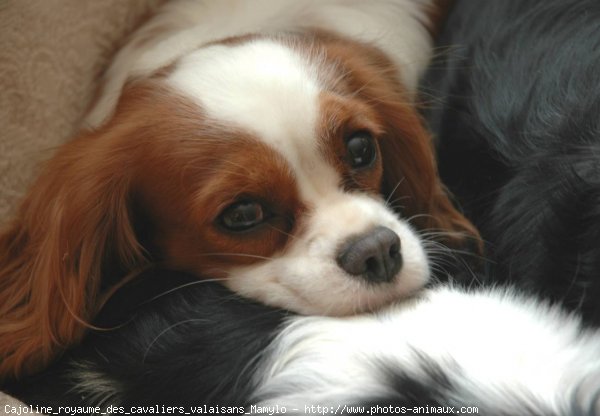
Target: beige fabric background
52, 53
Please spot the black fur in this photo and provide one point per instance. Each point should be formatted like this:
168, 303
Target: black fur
175, 341
515, 107
196, 344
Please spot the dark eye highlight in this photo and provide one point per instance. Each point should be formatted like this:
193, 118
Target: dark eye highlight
361, 149
242, 216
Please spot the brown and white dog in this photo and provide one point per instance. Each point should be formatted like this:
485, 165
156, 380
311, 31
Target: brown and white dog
249, 142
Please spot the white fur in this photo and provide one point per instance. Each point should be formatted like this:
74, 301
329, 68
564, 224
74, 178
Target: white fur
495, 345
93, 385
261, 86
182, 26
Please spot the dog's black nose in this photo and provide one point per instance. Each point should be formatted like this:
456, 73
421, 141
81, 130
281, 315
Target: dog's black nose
374, 255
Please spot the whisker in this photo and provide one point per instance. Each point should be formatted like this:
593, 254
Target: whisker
282, 231
187, 321
442, 256
396, 207
252, 256
400, 198
183, 286
410, 219
387, 201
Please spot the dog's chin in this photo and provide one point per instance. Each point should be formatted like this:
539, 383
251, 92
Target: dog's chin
324, 289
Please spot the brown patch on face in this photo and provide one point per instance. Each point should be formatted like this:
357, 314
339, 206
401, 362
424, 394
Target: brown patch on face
192, 169
367, 82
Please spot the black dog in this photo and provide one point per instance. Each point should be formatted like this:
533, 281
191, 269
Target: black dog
518, 133
197, 347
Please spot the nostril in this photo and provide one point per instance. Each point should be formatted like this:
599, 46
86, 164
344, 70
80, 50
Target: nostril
394, 250
373, 265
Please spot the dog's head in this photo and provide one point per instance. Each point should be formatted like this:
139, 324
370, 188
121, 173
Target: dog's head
263, 162
294, 168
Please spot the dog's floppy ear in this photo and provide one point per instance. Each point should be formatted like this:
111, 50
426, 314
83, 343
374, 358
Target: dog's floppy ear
410, 177
411, 180
75, 217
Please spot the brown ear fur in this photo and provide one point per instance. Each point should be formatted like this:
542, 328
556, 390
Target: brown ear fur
51, 255
409, 166
411, 175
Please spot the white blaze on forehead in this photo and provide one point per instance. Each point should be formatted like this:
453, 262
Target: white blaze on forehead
271, 91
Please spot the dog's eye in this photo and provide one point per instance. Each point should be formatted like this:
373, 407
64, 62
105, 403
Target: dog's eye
361, 149
242, 216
